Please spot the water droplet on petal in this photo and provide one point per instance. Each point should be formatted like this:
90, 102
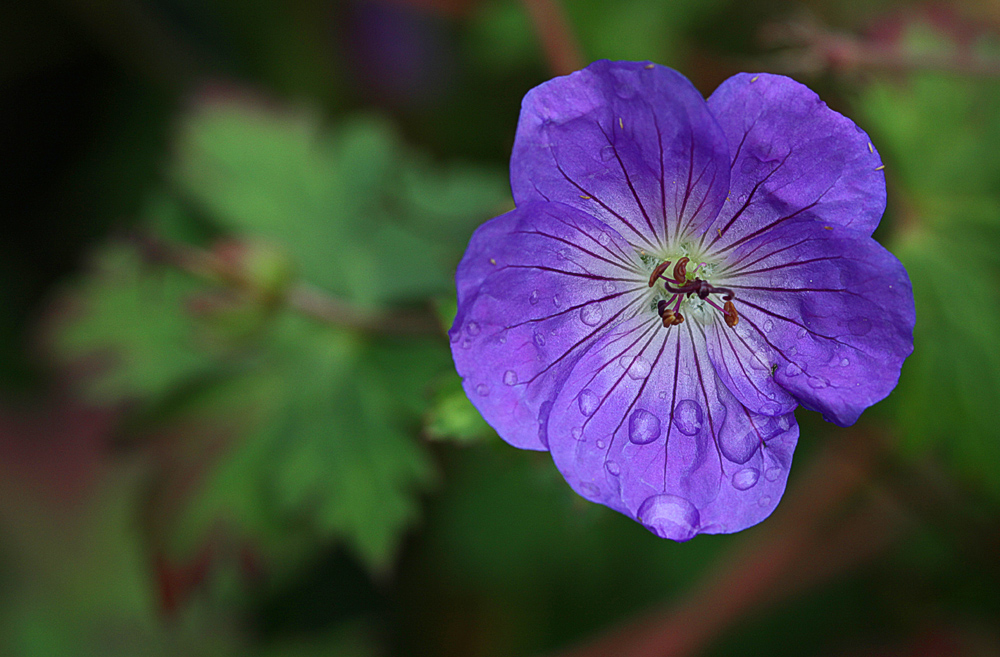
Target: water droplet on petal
482, 390
533, 299
607, 153
638, 367
601, 444
845, 363
802, 333
768, 325
454, 335
738, 448
466, 343
772, 474
590, 489
577, 433
609, 287
591, 314
817, 383
562, 254
472, 328
746, 478
588, 402
555, 301
764, 501
669, 516
603, 238
613, 468
688, 417
662, 394
792, 370
784, 423
643, 427
539, 339
510, 378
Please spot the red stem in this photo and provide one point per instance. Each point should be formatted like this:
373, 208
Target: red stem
562, 51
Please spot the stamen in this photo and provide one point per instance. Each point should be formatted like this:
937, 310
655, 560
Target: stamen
670, 318
660, 268
680, 270
732, 317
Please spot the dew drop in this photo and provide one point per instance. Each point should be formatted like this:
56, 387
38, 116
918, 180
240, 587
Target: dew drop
613, 468
643, 427
638, 367
772, 474
817, 383
472, 328
768, 325
510, 378
556, 301
609, 287
739, 447
784, 423
845, 362
533, 299
607, 153
562, 254
802, 333
454, 335
764, 501
746, 478
482, 390
588, 402
591, 314
603, 238
669, 516
688, 417
466, 343
577, 433
539, 339
662, 394
590, 489
601, 444
792, 370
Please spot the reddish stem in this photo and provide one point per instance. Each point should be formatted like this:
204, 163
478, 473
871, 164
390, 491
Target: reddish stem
562, 51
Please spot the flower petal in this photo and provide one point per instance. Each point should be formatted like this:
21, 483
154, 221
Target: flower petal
792, 153
832, 308
643, 425
632, 144
558, 279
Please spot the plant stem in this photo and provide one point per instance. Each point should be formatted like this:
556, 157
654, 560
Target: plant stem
562, 51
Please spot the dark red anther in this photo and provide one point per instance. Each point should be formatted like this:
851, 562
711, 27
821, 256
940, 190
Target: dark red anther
680, 270
660, 268
729, 312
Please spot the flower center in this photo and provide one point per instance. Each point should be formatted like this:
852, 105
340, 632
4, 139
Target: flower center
683, 284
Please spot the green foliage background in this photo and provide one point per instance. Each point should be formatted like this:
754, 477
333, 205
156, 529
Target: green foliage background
229, 421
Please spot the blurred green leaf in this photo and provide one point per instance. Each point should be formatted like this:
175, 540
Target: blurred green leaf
453, 417
362, 216
127, 325
326, 449
940, 138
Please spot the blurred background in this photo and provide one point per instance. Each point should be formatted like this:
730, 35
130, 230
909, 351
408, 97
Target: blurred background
229, 423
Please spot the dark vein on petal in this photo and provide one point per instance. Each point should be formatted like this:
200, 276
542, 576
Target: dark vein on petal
704, 392
572, 308
795, 263
663, 173
704, 199
605, 206
619, 253
728, 270
568, 273
628, 181
687, 190
575, 245
736, 355
670, 415
800, 325
642, 386
768, 227
750, 197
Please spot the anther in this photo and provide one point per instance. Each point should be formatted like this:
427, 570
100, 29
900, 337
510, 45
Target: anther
671, 318
729, 312
680, 270
660, 268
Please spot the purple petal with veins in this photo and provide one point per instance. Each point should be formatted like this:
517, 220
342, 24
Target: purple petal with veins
677, 277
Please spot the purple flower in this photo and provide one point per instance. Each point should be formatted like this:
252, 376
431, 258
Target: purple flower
677, 277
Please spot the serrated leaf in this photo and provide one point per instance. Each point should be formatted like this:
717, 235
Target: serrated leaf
361, 215
127, 322
453, 417
328, 452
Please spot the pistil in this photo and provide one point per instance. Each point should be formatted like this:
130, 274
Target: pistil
684, 287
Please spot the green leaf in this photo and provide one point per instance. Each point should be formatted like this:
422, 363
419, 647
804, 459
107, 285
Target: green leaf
327, 449
126, 325
453, 417
363, 217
